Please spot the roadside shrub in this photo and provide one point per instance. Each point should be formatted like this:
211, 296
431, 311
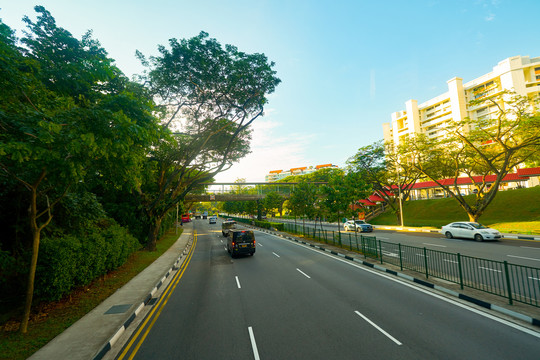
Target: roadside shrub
268, 225
75, 260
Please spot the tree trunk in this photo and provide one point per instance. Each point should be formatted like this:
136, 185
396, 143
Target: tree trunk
153, 234
36, 234
398, 216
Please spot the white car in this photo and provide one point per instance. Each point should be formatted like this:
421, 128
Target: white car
470, 230
357, 225
212, 219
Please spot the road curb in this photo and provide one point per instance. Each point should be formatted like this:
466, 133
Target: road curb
177, 264
478, 302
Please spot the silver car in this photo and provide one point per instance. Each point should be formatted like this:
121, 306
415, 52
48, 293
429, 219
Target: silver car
470, 230
357, 225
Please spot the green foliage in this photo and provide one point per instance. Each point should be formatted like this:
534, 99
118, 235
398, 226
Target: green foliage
491, 145
75, 260
269, 225
211, 94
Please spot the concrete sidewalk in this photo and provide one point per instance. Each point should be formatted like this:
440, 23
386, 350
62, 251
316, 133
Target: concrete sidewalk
93, 335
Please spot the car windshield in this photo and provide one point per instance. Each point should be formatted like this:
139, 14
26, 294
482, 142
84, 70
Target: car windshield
360, 222
478, 226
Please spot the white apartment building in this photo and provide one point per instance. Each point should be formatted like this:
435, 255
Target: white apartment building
276, 175
520, 74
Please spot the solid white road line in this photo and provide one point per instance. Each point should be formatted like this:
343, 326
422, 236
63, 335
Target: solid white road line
303, 273
275, 254
524, 258
378, 328
253, 344
238, 282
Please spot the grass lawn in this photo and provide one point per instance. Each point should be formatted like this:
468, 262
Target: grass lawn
512, 211
50, 319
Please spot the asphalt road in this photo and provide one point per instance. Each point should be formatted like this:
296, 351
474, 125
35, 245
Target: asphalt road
520, 252
293, 302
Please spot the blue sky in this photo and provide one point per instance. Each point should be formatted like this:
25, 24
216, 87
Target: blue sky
345, 66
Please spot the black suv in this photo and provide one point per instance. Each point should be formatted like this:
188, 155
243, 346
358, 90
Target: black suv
240, 242
227, 226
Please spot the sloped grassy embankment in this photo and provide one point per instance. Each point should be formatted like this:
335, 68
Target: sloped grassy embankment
512, 211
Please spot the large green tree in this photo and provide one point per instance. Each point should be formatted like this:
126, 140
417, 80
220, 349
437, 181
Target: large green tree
209, 96
483, 149
388, 170
341, 193
65, 112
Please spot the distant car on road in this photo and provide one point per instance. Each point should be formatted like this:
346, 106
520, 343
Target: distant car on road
227, 226
470, 230
357, 225
186, 218
212, 219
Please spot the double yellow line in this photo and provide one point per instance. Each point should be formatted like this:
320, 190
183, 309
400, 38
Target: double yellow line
144, 329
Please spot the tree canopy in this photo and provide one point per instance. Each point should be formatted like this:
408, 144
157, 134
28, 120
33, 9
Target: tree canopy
483, 149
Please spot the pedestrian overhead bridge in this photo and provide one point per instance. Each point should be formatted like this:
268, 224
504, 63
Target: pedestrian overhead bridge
243, 191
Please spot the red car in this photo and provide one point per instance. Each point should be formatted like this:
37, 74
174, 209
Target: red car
186, 218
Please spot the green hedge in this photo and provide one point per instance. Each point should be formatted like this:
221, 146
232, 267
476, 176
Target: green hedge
70, 261
269, 225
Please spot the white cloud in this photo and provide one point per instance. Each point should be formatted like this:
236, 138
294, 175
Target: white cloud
272, 148
490, 17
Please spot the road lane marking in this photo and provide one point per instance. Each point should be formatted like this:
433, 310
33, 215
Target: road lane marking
154, 314
451, 261
253, 344
378, 328
435, 245
529, 247
238, 282
466, 307
524, 258
275, 254
533, 278
303, 273
485, 268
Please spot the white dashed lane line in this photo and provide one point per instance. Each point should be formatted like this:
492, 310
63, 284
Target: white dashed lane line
303, 273
378, 328
238, 282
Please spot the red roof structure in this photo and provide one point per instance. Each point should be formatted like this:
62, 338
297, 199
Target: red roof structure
520, 175
528, 172
375, 198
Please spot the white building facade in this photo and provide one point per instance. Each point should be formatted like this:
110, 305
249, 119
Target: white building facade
520, 74
276, 175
